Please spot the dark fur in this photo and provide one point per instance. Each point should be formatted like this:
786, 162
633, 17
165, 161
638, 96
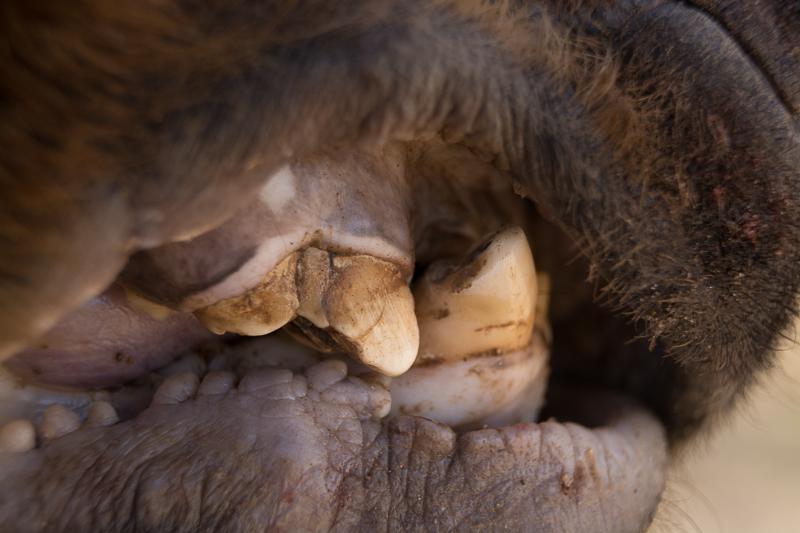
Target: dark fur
661, 136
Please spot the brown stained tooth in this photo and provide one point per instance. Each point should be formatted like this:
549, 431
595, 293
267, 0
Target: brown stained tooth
361, 305
17, 436
101, 414
356, 304
486, 304
260, 310
58, 421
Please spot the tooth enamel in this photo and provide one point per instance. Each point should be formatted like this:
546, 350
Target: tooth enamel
260, 310
494, 390
486, 304
543, 306
17, 436
101, 414
314, 280
58, 421
480, 361
364, 307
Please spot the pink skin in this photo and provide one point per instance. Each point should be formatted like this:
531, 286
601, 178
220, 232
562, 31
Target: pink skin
106, 342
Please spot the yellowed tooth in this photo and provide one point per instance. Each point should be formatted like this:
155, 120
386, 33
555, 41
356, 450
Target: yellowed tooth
361, 305
261, 310
485, 304
479, 360
357, 304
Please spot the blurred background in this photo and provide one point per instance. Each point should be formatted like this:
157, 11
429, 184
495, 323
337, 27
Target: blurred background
745, 478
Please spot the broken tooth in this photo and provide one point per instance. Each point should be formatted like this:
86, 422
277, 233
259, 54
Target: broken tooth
486, 304
261, 310
358, 304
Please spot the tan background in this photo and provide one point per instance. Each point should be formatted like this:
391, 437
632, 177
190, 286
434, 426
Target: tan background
746, 477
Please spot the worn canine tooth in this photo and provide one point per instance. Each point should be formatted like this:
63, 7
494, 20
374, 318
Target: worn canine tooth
360, 305
486, 304
58, 421
260, 310
17, 436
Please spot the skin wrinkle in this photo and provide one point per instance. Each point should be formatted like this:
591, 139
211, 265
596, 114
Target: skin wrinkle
430, 459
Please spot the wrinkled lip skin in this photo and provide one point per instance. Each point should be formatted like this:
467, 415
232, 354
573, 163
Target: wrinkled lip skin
659, 139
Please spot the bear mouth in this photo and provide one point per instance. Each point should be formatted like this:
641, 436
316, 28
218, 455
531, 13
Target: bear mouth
409, 284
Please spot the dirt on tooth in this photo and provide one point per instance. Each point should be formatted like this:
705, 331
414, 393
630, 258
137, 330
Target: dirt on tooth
485, 304
176, 388
261, 310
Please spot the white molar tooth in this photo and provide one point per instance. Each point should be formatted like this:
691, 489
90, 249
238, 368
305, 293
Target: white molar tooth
486, 304
364, 306
261, 310
58, 421
17, 436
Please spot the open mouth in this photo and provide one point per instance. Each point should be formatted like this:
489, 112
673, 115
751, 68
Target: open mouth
338, 314
399, 312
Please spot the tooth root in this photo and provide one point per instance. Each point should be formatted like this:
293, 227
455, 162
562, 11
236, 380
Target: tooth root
361, 305
17, 436
260, 310
58, 421
486, 304
100, 414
